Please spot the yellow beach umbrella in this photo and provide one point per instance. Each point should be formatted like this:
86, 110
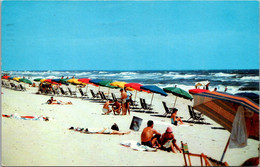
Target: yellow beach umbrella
42, 80
16, 79
76, 82
121, 85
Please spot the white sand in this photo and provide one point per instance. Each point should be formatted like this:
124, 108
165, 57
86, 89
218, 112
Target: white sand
40, 143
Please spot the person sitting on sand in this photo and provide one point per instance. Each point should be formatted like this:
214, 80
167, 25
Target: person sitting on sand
54, 101
106, 109
116, 107
174, 118
168, 141
99, 131
150, 137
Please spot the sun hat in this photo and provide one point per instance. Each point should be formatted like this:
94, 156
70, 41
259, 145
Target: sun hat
169, 129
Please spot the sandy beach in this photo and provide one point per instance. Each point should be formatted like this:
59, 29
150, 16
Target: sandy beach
42, 143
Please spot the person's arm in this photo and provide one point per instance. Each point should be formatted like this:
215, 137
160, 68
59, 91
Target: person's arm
155, 132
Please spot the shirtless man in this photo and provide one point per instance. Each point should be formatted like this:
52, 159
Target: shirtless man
150, 136
54, 101
123, 98
174, 118
116, 107
106, 108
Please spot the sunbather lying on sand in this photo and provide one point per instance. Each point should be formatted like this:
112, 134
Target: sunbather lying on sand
99, 131
54, 101
168, 141
16, 116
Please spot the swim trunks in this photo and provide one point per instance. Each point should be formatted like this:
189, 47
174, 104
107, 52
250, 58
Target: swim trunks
123, 101
148, 143
108, 131
105, 110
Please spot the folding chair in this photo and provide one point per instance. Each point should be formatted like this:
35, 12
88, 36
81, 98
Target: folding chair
167, 110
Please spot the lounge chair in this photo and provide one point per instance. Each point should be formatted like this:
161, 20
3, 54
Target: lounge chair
64, 93
95, 96
22, 88
114, 98
167, 110
207, 161
196, 117
82, 94
144, 106
72, 93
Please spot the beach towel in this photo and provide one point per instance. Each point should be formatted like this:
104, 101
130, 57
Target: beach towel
137, 146
238, 137
16, 116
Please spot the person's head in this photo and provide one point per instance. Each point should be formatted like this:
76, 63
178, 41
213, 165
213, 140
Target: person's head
110, 101
169, 129
150, 123
52, 98
121, 90
125, 88
174, 110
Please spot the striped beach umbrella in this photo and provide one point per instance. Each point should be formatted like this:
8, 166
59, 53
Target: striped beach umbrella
223, 107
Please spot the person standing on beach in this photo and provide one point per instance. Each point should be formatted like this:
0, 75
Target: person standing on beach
129, 95
123, 98
150, 137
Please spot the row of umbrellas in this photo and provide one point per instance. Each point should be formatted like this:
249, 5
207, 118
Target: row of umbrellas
178, 92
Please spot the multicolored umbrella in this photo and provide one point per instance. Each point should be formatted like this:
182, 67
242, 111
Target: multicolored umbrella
154, 89
16, 79
222, 108
120, 85
252, 96
178, 92
136, 86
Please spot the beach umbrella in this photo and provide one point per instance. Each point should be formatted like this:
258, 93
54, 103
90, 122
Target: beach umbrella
222, 108
37, 79
136, 86
96, 81
16, 79
178, 92
25, 81
60, 81
106, 83
154, 89
86, 81
5, 77
50, 81
120, 85
252, 96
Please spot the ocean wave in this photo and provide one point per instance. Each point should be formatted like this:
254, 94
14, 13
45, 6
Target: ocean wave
127, 73
250, 78
221, 74
187, 76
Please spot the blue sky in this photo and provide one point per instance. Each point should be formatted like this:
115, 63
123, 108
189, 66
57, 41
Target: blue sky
130, 35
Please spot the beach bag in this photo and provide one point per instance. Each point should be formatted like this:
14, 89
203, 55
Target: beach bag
115, 127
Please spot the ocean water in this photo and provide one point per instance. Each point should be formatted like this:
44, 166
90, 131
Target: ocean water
235, 80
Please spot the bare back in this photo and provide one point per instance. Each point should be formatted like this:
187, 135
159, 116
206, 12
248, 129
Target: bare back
147, 134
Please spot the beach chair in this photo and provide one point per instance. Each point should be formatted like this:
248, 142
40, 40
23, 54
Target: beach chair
64, 93
144, 106
147, 106
204, 160
167, 110
95, 96
82, 93
196, 117
22, 88
116, 99
72, 93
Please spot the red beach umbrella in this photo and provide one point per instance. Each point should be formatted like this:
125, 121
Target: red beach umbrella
136, 86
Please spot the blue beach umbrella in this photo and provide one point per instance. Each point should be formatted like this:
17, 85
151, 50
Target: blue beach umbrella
154, 89
60, 81
252, 96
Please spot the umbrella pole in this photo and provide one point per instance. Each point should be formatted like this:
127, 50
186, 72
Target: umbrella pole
135, 94
152, 99
87, 89
222, 157
175, 101
108, 92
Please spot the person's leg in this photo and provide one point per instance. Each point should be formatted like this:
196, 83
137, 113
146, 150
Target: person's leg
115, 132
179, 119
128, 107
155, 140
123, 108
172, 147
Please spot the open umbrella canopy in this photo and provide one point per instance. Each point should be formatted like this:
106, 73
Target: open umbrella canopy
95, 81
154, 89
75, 82
10, 78
136, 86
37, 79
106, 83
87, 81
178, 92
60, 81
16, 79
221, 107
5, 77
25, 81
50, 81
252, 96
120, 85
